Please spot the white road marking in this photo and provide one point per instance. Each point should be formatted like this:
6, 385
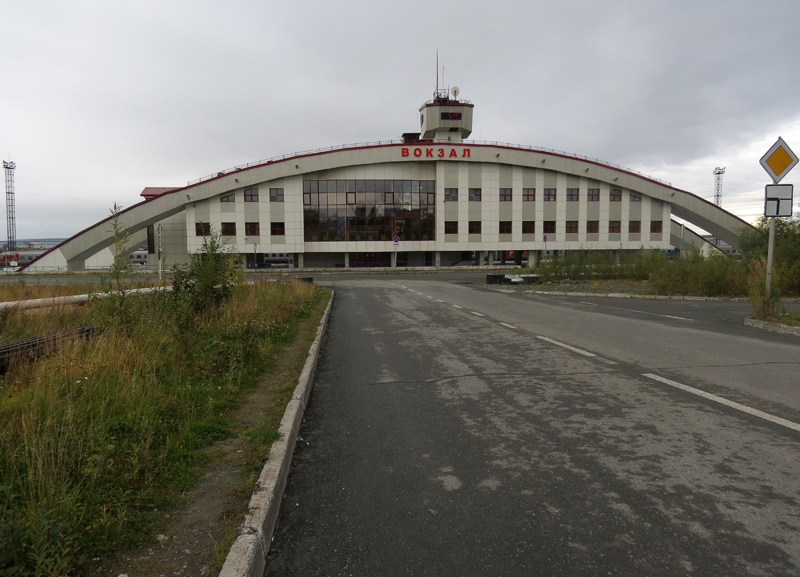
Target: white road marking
401, 286
458, 307
723, 401
581, 351
679, 318
479, 314
590, 304
508, 325
429, 297
439, 301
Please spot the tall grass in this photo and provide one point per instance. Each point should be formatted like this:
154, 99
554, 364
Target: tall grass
765, 306
97, 435
692, 274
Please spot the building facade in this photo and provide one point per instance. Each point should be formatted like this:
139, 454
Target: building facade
430, 199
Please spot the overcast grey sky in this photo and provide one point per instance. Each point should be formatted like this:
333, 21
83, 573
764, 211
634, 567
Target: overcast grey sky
100, 99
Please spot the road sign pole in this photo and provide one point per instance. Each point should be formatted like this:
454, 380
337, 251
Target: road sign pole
770, 250
777, 161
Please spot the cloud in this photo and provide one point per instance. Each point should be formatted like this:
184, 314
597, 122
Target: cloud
102, 99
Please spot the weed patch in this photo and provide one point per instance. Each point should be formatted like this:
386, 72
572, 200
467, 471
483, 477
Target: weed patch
99, 434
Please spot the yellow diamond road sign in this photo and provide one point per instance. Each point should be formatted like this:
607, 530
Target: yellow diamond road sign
779, 160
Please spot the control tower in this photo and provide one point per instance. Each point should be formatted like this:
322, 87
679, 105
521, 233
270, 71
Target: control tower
446, 119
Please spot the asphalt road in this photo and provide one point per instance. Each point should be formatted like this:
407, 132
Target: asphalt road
454, 430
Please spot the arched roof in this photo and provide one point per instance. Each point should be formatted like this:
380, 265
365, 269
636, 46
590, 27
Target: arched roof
74, 251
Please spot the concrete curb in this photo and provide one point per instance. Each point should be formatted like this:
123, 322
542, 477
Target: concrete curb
633, 296
774, 327
248, 555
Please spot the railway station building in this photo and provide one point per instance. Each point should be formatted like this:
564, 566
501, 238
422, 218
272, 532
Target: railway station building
432, 198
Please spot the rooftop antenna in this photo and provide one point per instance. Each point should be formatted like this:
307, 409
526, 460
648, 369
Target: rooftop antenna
437, 71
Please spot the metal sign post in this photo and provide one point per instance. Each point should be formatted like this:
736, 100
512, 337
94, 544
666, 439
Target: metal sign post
160, 254
778, 161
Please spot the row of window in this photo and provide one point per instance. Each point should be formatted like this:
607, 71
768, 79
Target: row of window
550, 195
369, 185
229, 229
251, 195
450, 227
348, 189
413, 200
549, 227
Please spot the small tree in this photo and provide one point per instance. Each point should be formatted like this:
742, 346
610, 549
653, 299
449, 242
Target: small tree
212, 274
121, 268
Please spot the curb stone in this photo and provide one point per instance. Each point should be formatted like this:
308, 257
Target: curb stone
248, 555
773, 327
633, 296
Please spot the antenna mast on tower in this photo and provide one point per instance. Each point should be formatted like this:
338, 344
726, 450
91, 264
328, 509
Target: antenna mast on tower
11, 219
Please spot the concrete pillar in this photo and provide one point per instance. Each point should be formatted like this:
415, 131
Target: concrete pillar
300, 260
437, 259
394, 259
347, 260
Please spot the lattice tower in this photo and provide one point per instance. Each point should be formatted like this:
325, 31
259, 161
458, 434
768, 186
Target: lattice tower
718, 172
11, 218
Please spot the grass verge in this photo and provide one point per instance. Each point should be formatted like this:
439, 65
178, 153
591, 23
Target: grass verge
99, 434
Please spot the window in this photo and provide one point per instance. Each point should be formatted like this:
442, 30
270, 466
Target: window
528, 194
277, 229
228, 229
251, 195
573, 194
276, 195
549, 227
528, 227
616, 195
549, 194
614, 227
656, 227
451, 227
572, 227
475, 194
505, 195
252, 229
635, 227
635, 198
593, 194
505, 227
368, 210
202, 229
592, 226
228, 198
450, 194
474, 227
